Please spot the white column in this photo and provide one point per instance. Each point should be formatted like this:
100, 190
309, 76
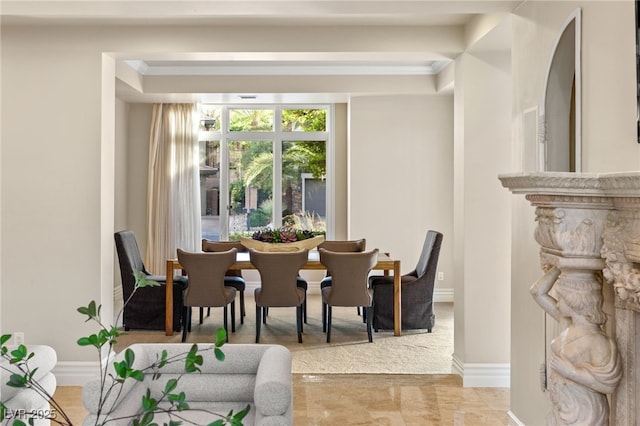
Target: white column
481, 235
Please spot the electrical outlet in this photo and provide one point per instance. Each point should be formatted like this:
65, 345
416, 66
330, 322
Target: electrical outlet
18, 338
440, 276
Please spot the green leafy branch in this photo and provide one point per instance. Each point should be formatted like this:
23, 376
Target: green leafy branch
176, 401
19, 358
107, 335
169, 401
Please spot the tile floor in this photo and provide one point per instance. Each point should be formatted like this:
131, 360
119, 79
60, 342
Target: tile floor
375, 399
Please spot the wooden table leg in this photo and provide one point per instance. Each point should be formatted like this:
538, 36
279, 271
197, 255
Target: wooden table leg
168, 314
397, 299
386, 271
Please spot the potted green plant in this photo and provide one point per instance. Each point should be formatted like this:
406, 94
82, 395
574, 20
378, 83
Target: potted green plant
283, 239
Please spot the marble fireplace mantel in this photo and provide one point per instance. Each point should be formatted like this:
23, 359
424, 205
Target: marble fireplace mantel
588, 229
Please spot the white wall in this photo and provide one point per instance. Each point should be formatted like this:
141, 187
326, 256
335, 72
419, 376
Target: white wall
51, 194
121, 179
137, 166
400, 171
341, 127
609, 105
609, 144
482, 217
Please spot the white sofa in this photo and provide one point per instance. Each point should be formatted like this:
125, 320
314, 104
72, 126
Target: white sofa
24, 403
255, 375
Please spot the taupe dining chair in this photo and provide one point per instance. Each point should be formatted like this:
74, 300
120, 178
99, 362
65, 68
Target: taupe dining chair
232, 277
349, 246
346, 246
206, 286
278, 284
349, 284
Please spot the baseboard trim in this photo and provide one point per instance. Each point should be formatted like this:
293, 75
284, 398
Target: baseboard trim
513, 420
475, 375
75, 373
443, 295
457, 367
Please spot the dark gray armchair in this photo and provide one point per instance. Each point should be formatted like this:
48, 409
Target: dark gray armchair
417, 291
146, 309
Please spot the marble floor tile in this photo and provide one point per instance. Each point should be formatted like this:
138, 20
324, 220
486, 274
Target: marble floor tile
374, 399
396, 400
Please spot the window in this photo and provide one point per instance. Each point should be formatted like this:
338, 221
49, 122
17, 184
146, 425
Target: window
263, 167
251, 120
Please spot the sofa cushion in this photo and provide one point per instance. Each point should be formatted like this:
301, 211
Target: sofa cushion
204, 387
202, 413
254, 375
44, 360
239, 358
29, 399
199, 413
272, 394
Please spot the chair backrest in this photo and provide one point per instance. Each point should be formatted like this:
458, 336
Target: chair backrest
129, 259
350, 276
428, 261
215, 246
206, 276
279, 276
128, 251
343, 246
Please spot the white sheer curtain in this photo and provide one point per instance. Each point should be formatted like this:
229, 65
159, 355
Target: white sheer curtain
173, 185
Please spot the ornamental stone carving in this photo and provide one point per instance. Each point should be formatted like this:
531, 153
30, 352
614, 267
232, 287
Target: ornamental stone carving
621, 250
584, 362
569, 232
588, 227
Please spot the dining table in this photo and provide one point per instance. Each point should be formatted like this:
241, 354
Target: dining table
384, 263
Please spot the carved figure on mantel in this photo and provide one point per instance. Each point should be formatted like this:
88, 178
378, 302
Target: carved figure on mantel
620, 252
584, 362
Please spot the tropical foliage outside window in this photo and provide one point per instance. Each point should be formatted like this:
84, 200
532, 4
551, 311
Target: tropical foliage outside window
259, 141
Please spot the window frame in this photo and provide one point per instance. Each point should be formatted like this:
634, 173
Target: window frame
277, 136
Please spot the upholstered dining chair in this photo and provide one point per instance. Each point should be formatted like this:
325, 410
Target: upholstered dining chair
206, 285
144, 309
417, 291
346, 246
232, 277
349, 284
278, 284
349, 246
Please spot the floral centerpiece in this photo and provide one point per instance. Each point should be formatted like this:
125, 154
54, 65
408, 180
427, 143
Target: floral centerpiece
283, 239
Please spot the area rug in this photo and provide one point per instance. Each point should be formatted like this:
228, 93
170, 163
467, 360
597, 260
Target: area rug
414, 352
